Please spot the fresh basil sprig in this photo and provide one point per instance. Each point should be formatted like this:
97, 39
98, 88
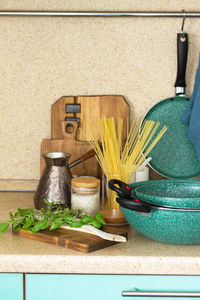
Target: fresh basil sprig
35, 220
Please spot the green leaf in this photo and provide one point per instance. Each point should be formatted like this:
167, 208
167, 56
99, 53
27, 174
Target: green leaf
4, 226
56, 225
91, 220
96, 223
28, 223
87, 219
16, 223
11, 216
22, 212
100, 218
76, 224
40, 225
68, 219
36, 220
58, 220
18, 228
49, 213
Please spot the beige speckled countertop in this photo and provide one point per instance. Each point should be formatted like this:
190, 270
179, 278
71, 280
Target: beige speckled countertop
138, 256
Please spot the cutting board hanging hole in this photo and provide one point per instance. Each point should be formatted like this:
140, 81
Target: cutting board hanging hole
69, 128
70, 144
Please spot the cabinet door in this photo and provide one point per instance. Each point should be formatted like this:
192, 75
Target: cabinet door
105, 287
11, 286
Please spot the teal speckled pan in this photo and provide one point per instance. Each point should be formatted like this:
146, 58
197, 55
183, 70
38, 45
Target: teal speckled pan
153, 207
172, 193
166, 226
174, 156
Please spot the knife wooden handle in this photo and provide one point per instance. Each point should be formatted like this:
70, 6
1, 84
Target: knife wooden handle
84, 157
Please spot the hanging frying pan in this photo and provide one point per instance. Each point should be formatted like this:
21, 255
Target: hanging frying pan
174, 156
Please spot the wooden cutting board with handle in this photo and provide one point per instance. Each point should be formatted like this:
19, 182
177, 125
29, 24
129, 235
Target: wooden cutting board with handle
86, 111
79, 113
80, 241
68, 143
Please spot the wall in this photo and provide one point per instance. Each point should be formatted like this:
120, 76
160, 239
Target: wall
43, 59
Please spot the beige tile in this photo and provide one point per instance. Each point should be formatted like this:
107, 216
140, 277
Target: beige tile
18, 185
43, 59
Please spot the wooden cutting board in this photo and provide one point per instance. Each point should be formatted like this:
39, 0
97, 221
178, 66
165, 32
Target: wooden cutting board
81, 112
87, 110
75, 240
70, 144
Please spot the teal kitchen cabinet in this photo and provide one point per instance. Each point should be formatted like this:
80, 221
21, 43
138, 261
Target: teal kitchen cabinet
11, 286
107, 287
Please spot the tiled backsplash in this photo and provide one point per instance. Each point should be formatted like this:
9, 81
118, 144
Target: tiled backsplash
45, 58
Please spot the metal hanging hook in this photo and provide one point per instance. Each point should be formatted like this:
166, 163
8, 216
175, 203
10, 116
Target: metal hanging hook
183, 22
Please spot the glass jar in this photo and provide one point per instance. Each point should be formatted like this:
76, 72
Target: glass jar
85, 192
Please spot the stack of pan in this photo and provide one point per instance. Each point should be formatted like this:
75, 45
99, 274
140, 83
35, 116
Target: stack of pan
167, 210
163, 210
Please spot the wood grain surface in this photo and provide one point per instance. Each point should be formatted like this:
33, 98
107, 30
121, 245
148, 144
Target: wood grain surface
92, 108
71, 145
79, 241
73, 138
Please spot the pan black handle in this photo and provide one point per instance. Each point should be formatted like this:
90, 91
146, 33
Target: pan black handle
182, 51
135, 205
122, 189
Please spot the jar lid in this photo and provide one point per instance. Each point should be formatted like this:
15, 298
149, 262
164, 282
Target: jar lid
85, 182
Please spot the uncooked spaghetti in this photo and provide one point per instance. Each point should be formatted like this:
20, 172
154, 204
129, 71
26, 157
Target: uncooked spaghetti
121, 162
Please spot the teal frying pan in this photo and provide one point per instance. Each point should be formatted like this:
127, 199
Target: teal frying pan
174, 156
164, 224
171, 193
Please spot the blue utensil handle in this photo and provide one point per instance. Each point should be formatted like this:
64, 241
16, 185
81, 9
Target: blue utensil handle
135, 205
121, 188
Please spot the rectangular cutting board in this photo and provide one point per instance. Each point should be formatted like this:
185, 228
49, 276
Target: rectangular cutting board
75, 240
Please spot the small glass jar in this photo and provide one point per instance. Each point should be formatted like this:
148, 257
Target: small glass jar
85, 192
